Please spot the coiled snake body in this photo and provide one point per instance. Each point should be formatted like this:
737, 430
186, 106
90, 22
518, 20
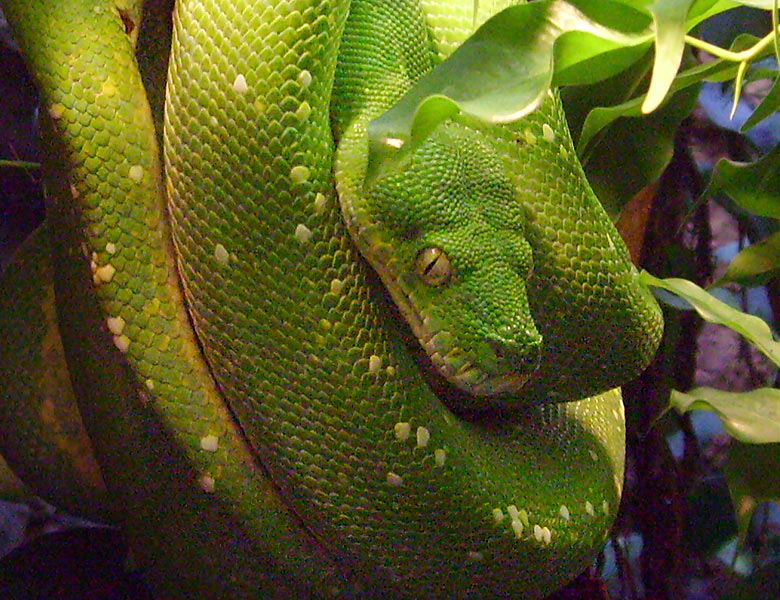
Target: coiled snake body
256, 407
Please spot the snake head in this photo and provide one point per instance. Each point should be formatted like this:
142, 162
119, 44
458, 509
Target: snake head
445, 232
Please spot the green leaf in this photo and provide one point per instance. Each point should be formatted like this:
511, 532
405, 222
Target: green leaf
753, 420
581, 58
751, 417
711, 309
716, 70
635, 152
754, 265
701, 10
502, 72
669, 20
762, 4
753, 186
769, 104
672, 19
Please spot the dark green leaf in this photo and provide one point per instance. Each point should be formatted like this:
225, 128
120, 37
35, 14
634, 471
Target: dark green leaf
754, 265
752, 474
769, 104
716, 70
753, 186
635, 152
751, 417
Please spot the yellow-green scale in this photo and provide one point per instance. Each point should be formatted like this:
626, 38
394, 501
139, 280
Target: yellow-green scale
146, 396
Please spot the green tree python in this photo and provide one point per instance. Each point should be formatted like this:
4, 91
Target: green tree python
268, 423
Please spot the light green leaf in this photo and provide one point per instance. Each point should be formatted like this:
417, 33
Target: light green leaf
754, 265
581, 58
672, 19
669, 20
502, 72
711, 309
753, 420
753, 186
751, 417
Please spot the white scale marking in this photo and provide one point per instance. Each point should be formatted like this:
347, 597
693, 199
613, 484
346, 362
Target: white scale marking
136, 173
239, 85
402, 431
548, 133
423, 437
209, 443
302, 233
221, 255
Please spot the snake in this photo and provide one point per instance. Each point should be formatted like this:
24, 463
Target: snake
283, 378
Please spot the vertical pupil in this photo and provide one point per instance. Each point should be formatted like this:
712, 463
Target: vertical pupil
430, 265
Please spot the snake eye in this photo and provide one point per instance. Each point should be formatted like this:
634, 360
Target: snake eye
433, 266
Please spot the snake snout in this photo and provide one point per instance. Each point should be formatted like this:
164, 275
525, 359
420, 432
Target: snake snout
522, 353
517, 356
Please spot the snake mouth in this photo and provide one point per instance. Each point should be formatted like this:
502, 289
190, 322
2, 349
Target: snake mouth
456, 366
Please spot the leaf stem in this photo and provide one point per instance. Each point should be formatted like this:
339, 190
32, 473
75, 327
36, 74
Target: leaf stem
21, 164
743, 56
